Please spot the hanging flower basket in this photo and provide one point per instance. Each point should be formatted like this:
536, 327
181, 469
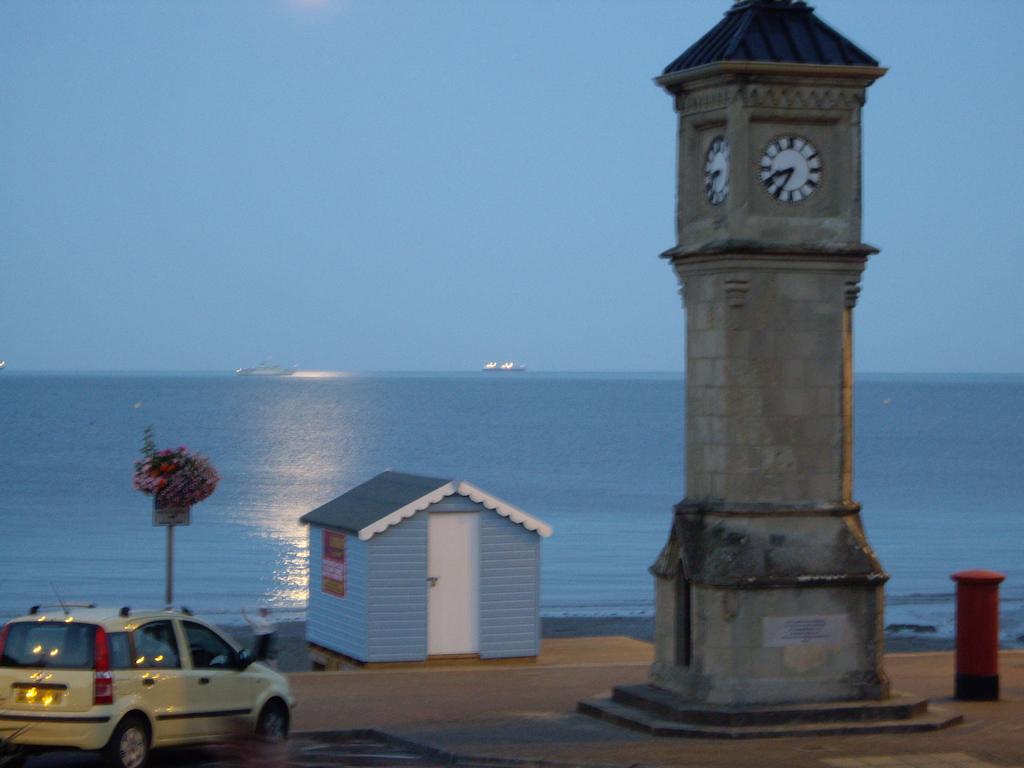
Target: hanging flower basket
176, 479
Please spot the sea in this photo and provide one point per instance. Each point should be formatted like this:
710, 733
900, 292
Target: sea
939, 470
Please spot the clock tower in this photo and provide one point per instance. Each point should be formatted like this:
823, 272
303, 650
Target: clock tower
768, 595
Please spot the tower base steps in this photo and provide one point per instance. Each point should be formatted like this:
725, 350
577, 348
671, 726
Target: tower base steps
661, 713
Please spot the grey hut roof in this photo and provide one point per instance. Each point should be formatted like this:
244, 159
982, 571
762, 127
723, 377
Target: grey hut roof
390, 497
376, 498
774, 31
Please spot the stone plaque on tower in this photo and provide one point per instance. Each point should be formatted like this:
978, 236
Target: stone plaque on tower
768, 596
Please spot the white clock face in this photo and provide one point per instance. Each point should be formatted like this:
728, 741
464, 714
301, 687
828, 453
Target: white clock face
716, 171
790, 169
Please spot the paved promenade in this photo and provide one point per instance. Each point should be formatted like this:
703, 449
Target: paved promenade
527, 712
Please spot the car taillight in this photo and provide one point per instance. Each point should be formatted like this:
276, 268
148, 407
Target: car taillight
3, 638
103, 681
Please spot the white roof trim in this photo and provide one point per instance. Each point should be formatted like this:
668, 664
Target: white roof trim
410, 509
468, 490
504, 509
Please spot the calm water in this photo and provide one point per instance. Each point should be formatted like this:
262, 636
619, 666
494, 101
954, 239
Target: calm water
599, 457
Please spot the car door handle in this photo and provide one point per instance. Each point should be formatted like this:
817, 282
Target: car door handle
204, 680
148, 681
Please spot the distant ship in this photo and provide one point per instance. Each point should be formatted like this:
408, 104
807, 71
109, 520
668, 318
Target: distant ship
3, 364
507, 367
265, 369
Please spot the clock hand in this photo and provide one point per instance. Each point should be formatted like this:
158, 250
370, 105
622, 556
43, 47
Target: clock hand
787, 172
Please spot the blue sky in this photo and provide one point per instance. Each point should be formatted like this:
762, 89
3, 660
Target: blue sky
384, 185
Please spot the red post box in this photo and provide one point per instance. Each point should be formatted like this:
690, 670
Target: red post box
977, 634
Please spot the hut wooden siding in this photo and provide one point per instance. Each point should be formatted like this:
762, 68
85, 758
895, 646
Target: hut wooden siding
334, 622
397, 621
384, 615
509, 588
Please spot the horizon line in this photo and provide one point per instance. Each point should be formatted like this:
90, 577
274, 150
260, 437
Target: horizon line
385, 371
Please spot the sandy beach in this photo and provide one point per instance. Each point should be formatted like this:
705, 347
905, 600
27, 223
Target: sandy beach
293, 655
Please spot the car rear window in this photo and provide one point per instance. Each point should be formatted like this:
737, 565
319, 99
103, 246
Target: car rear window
49, 644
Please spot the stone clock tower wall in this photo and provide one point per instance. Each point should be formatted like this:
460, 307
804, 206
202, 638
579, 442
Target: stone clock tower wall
767, 591
764, 396
750, 103
764, 325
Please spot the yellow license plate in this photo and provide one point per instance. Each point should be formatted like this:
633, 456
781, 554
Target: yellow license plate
39, 695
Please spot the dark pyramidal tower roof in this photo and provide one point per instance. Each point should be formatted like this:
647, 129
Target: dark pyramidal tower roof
772, 30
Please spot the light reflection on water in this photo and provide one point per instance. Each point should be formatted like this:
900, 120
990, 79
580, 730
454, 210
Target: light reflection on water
322, 374
299, 456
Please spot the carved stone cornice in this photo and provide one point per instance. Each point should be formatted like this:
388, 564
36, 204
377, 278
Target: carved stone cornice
736, 289
721, 544
773, 96
687, 80
755, 248
704, 100
769, 95
682, 288
722, 508
851, 291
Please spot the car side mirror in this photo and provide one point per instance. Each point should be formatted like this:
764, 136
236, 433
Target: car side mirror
244, 658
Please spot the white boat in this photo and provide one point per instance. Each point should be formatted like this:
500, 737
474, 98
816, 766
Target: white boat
507, 367
265, 369
3, 364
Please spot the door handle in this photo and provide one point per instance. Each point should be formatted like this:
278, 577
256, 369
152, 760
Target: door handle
432, 580
148, 681
204, 680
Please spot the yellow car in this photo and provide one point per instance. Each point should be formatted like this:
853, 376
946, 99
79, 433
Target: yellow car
123, 682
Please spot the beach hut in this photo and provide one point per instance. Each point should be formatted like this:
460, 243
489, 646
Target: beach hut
406, 567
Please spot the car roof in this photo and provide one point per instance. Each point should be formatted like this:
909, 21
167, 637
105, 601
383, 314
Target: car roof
110, 618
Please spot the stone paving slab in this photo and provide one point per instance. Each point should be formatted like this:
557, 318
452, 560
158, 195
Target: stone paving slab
529, 714
525, 716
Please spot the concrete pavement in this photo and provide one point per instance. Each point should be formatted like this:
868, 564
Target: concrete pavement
528, 712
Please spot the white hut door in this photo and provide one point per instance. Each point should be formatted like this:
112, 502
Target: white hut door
453, 574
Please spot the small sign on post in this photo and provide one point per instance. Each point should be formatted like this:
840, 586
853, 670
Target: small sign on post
172, 515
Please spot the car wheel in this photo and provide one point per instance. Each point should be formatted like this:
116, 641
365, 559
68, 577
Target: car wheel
129, 744
272, 724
